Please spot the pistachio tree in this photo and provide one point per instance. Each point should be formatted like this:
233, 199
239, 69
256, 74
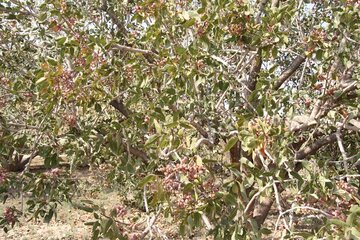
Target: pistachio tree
212, 111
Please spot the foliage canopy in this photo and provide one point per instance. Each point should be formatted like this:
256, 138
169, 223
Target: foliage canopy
214, 110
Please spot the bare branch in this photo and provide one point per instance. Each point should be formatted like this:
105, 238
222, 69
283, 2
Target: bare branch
289, 71
205, 141
200, 129
134, 50
118, 104
274, 4
342, 149
113, 17
261, 10
313, 148
136, 152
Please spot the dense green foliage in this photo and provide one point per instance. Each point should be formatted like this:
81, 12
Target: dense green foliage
207, 109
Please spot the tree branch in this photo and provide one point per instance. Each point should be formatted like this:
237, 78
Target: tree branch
313, 148
202, 131
134, 50
261, 10
113, 17
289, 71
136, 152
118, 104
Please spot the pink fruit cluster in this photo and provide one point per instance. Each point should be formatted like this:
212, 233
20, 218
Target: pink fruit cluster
120, 211
64, 82
172, 174
53, 173
9, 215
176, 177
2, 177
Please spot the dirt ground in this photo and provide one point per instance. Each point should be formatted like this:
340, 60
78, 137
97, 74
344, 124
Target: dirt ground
69, 223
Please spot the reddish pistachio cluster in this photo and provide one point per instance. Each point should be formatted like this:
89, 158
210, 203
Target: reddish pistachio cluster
149, 9
53, 173
185, 200
9, 215
120, 211
125, 232
202, 28
173, 184
236, 29
2, 176
71, 120
56, 27
210, 188
129, 72
3, 100
200, 64
64, 82
80, 61
172, 179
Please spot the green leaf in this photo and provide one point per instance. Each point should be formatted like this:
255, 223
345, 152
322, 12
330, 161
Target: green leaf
61, 40
48, 216
52, 61
40, 80
108, 224
189, 22
338, 223
146, 180
231, 143
157, 126
152, 139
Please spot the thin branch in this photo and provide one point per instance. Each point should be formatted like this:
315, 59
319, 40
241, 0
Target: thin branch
342, 150
261, 10
200, 129
300, 207
136, 152
132, 49
254, 197
25, 126
151, 223
118, 104
145, 201
208, 224
277, 198
119, 23
347, 176
219, 59
205, 141
221, 98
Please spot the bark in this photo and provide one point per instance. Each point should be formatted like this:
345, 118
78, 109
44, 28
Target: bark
118, 104
313, 148
289, 71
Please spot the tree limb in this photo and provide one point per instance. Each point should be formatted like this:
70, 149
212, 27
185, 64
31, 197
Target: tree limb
113, 17
134, 50
261, 10
136, 152
289, 71
118, 104
313, 148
